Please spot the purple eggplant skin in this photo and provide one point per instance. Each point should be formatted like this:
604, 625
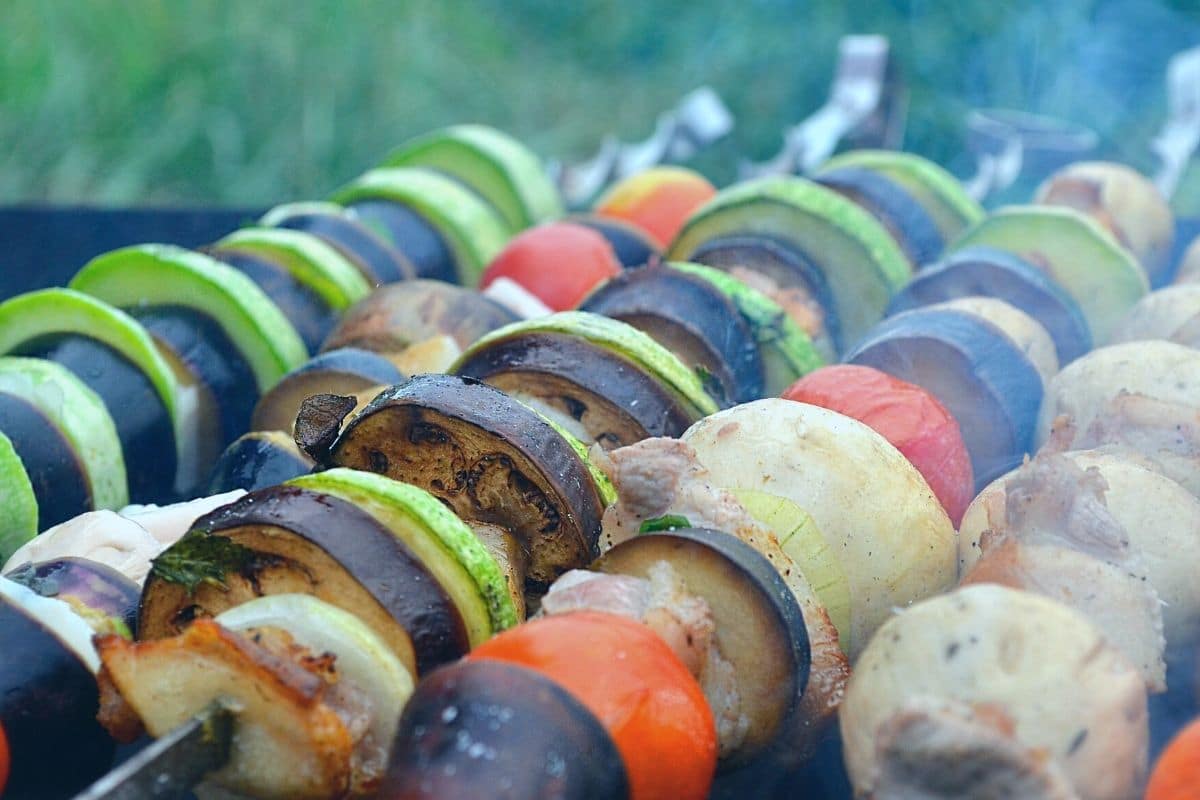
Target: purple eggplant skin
632, 246
312, 316
48, 706
143, 423
80, 581
982, 378
410, 233
59, 478
489, 729
257, 460
379, 261
202, 344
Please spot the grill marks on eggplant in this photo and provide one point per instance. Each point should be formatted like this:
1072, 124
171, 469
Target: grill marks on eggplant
411, 234
60, 481
693, 319
613, 398
489, 458
311, 316
207, 351
285, 539
143, 424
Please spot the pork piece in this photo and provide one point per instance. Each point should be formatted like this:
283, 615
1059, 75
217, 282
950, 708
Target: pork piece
935, 749
169, 523
101, 536
685, 622
660, 476
301, 732
1165, 433
1056, 536
125, 541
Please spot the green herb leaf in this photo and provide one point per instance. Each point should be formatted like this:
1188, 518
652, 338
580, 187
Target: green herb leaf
667, 522
201, 558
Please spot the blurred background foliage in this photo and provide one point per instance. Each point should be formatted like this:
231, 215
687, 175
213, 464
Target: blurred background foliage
251, 102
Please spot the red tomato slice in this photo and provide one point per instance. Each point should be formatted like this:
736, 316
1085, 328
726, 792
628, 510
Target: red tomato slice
635, 685
1176, 776
559, 263
5, 760
906, 415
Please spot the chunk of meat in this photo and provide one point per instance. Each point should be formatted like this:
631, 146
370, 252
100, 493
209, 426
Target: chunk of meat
1054, 535
101, 536
938, 749
685, 622
301, 732
1164, 433
660, 476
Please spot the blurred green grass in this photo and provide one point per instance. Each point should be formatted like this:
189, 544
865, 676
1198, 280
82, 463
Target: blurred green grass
256, 102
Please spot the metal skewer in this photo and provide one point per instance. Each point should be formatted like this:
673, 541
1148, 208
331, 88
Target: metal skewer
169, 767
698, 121
866, 103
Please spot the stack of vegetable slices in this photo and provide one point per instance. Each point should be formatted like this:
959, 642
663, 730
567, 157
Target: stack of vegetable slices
717, 563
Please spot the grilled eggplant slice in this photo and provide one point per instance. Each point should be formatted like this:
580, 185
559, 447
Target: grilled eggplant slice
602, 380
693, 319
48, 697
343, 371
63, 438
526, 737
310, 280
258, 460
486, 456
209, 320
371, 254
394, 317
759, 626
285, 540
443, 542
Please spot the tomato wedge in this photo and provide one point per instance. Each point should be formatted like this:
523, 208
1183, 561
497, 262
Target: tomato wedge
906, 415
5, 760
559, 263
1176, 776
636, 686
